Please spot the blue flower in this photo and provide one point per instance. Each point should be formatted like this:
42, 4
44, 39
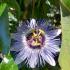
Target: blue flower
35, 44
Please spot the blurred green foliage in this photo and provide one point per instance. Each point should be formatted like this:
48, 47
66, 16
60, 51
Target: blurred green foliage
30, 8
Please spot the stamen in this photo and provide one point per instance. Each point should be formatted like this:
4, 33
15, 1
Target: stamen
36, 39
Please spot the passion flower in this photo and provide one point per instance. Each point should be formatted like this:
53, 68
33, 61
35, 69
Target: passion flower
36, 43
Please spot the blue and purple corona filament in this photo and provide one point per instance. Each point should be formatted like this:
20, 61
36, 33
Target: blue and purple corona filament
36, 43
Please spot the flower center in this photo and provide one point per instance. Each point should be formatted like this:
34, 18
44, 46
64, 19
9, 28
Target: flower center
36, 38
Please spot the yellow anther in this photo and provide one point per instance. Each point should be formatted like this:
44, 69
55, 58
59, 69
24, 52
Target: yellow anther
36, 43
37, 36
34, 34
41, 31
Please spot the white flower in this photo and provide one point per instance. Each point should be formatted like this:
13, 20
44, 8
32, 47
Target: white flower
36, 45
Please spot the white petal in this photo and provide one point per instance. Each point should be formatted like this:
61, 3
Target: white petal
58, 32
33, 23
49, 59
52, 45
54, 42
33, 60
24, 54
53, 49
53, 33
47, 51
16, 36
17, 46
40, 60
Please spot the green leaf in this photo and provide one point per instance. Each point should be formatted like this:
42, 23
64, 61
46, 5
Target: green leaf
65, 49
4, 32
65, 4
2, 8
10, 65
